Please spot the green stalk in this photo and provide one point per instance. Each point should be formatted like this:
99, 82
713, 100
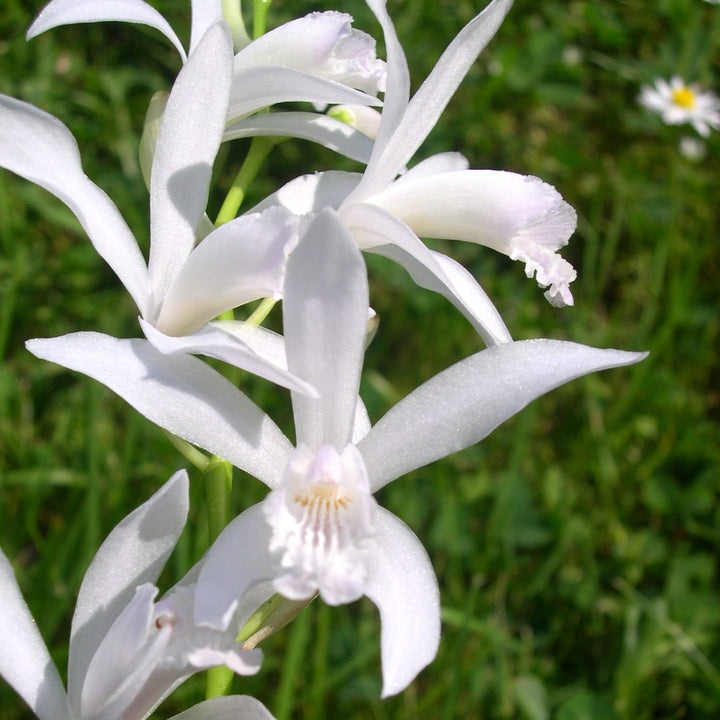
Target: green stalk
259, 149
232, 13
218, 483
260, 11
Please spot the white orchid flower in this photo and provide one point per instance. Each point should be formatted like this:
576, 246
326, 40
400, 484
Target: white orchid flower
182, 287
320, 528
127, 652
517, 215
319, 58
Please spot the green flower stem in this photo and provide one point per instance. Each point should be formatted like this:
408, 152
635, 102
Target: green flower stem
189, 452
260, 11
219, 680
232, 13
259, 149
218, 483
261, 311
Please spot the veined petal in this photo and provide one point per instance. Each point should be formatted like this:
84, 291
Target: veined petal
232, 707
402, 584
241, 261
321, 43
24, 659
179, 393
256, 88
311, 193
428, 103
133, 554
518, 215
189, 138
325, 311
67, 12
238, 559
38, 147
322, 517
465, 403
322, 129
380, 232
213, 341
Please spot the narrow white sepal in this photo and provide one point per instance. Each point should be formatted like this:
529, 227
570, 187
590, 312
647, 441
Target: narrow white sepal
68, 12
179, 393
465, 403
24, 658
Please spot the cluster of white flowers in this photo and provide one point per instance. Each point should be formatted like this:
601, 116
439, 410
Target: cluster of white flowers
319, 531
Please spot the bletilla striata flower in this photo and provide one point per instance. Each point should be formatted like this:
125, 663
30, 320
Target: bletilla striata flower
183, 286
319, 58
127, 652
677, 103
320, 529
440, 197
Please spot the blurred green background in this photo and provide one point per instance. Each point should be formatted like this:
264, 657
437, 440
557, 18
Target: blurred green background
577, 547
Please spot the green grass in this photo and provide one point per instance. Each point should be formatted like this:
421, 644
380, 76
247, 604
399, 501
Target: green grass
577, 547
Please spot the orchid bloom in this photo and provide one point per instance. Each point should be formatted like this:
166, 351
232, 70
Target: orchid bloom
319, 58
182, 287
320, 530
517, 215
127, 652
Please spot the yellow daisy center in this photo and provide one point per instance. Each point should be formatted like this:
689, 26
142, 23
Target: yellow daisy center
684, 97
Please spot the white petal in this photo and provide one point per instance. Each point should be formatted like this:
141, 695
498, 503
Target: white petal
24, 659
518, 215
402, 584
125, 658
398, 87
322, 129
312, 193
430, 100
321, 43
379, 232
362, 118
239, 559
189, 137
266, 343
134, 553
256, 88
325, 311
438, 163
233, 707
179, 393
38, 147
212, 341
66, 12
204, 14
243, 260
465, 403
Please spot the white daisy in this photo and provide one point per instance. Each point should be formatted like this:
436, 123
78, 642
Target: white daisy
677, 102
